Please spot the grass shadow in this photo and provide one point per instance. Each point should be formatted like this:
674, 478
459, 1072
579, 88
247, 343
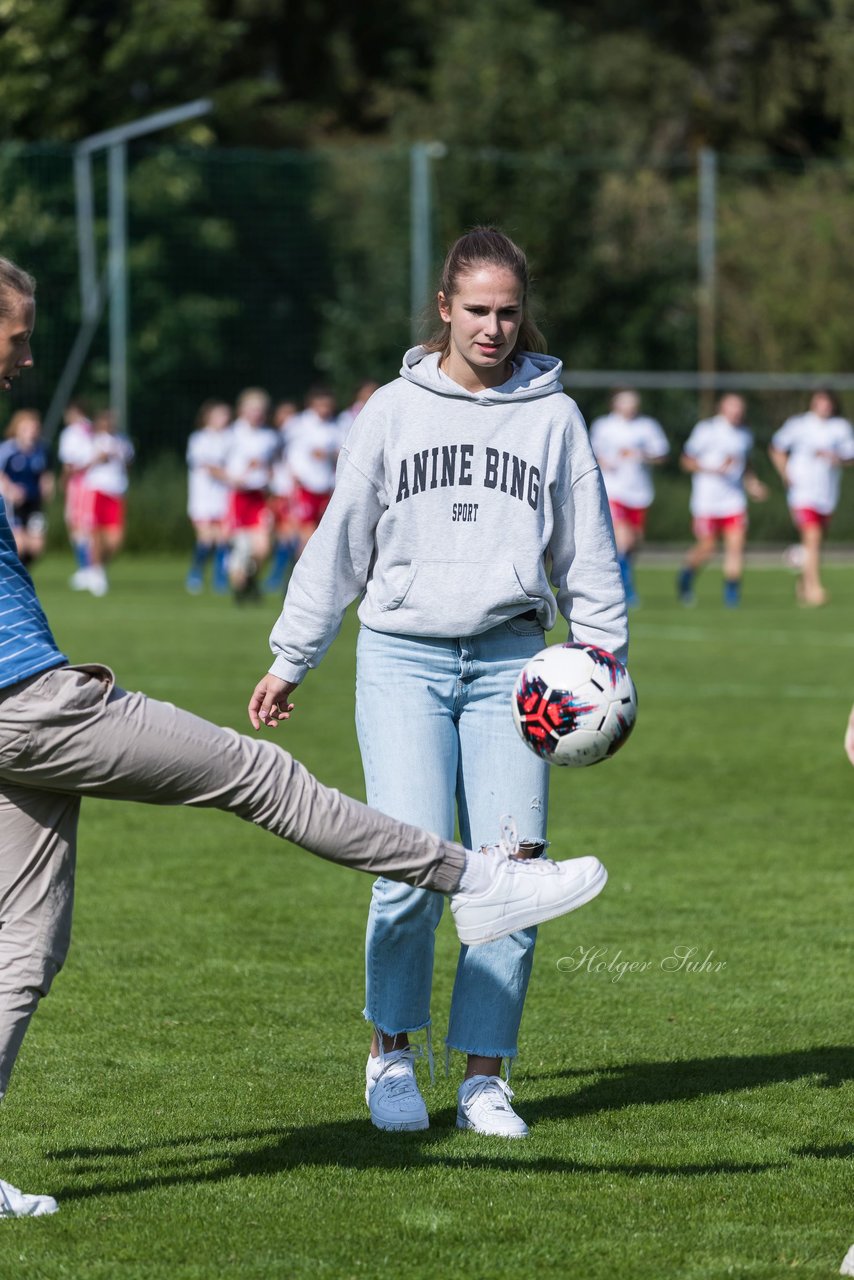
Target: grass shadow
199, 1158
650, 1083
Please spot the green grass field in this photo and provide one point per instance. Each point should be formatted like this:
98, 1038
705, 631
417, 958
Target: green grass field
192, 1090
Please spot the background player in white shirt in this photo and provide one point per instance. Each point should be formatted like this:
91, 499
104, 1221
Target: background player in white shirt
716, 457
626, 444
106, 484
255, 446
314, 441
808, 451
208, 494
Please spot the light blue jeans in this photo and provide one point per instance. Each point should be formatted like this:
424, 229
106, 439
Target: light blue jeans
437, 738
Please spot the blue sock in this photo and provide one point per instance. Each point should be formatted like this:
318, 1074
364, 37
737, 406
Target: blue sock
685, 583
625, 563
201, 554
220, 569
282, 554
732, 592
81, 555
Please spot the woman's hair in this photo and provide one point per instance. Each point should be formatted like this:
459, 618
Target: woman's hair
206, 408
486, 247
13, 283
828, 395
21, 415
250, 394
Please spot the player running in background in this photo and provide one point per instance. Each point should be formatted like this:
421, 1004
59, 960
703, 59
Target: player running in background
26, 482
253, 449
627, 444
70, 731
462, 481
208, 494
285, 529
716, 457
349, 415
75, 455
313, 440
808, 452
106, 484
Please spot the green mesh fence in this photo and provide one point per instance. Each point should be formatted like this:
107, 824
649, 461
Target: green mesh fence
282, 268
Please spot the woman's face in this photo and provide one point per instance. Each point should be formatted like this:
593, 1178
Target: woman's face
15, 333
822, 405
484, 316
28, 431
219, 416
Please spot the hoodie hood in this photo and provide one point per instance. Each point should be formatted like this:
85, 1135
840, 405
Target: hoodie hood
533, 377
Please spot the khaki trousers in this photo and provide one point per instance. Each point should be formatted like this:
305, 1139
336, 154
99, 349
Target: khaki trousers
70, 732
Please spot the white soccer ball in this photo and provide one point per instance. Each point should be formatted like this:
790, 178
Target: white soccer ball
574, 704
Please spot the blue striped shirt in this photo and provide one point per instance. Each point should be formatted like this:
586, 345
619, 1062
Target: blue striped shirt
26, 643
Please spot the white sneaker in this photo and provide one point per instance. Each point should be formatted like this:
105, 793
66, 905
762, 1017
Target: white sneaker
96, 583
391, 1093
523, 892
483, 1104
14, 1204
79, 580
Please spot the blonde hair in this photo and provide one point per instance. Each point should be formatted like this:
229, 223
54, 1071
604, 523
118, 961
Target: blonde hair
257, 394
486, 247
14, 282
19, 416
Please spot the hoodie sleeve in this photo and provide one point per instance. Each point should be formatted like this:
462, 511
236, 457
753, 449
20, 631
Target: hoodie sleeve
585, 572
329, 575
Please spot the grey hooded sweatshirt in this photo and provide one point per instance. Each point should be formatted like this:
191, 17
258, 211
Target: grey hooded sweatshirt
452, 512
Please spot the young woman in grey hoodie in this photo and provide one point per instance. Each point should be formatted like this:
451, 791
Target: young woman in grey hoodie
468, 512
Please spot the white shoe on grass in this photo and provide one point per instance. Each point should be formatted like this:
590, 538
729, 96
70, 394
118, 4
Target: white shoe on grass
15, 1204
523, 892
483, 1104
392, 1094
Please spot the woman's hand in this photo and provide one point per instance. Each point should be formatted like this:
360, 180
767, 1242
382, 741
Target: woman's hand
269, 702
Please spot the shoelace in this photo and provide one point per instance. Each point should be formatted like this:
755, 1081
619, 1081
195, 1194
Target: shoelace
484, 1092
508, 846
396, 1071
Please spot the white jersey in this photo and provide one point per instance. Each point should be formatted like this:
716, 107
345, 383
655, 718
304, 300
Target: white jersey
313, 445
74, 447
813, 476
715, 443
207, 495
252, 453
111, 474
282, 477
624, 448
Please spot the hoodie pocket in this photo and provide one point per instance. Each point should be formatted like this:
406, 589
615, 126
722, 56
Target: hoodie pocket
395, 586
455, 596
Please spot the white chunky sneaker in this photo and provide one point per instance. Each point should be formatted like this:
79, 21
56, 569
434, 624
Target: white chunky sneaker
523, 892
483, 1104
391, 1093
14, 1204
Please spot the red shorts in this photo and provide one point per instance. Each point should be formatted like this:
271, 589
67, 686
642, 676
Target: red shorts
106, 511
809, 518
635, 516
247, 509
281, 507
308, 507
714, 526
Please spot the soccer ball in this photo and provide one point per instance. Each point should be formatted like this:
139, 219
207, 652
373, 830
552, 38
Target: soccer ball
574, 704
